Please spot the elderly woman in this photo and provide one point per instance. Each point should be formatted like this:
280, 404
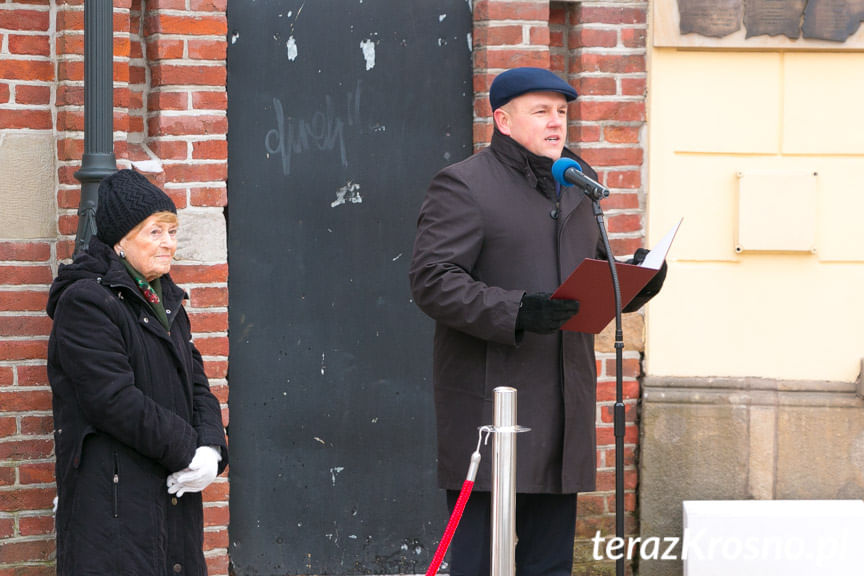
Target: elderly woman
138, 434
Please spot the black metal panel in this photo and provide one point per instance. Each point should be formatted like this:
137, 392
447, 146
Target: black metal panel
339, 114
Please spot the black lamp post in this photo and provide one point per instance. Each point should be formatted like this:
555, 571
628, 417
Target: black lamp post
98, 160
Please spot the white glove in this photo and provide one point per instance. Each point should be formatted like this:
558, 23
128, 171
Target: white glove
198, 475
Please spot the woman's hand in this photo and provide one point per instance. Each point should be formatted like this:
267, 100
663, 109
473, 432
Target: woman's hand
198, 475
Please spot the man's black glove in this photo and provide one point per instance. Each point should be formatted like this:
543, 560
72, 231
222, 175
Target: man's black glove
541, 314
652, 288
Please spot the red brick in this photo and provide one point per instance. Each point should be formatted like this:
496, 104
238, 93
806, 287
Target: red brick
70, 20
70, 149
215, 539
69, 44
164, 48
25, 20
511, 58
206, 49
584, 133
208, 5
606, 390
607, 413
186, 25
538, 35
25, 251
70, 95
36, 525
209, 196
611, 15
172, 74
32, 45
615, 111
25, 326
210, 100
625, 245
167, 5
170, 149
199, 273
25, 274
630, 156
14, 400
47, 569
168, 101
14, 552
210, 150
216, 492
22, 119
137, 74
32, 375
593, 38
590, 504
217, 346
606, 480
24, 450
23, 349
216, 368
624, 179
595, 85
216, 564
7, 376
621, 201
216, 516
610, 63
634, 37
65, 249
497, 35
633, 87
67, 223
71, 70
197, 172
7, 525
37, 425
488, 10
164, 125
209, 322
71, 120
36, 472
622, 134
221, 393
4, 93
208, 297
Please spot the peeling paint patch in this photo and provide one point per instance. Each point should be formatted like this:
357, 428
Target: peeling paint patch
348, 193
291, 48
335, 472
234, 37
468, 37
368, 48
323, 365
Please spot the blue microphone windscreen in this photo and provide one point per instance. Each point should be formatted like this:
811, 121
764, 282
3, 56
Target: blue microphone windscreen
561, 166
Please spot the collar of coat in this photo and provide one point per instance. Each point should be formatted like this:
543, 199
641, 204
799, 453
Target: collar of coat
100, 263
536, 169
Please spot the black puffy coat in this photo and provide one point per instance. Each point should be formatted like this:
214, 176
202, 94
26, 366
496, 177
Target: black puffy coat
131, 404
484, 238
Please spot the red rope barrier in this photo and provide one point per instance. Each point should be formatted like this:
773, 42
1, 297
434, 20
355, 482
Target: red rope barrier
467, 486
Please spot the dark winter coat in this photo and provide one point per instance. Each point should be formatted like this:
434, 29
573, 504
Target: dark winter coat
485, 237
131, 405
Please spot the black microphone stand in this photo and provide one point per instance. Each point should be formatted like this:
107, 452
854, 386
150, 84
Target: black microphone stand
595, 196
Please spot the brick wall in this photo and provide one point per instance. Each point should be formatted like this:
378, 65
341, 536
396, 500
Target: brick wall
169, 107
600, 48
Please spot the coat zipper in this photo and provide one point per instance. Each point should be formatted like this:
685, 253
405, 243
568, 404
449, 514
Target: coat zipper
116, 481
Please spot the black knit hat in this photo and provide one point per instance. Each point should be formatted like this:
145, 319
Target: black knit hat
126, 198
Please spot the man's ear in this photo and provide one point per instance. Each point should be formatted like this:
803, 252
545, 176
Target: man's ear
502, 120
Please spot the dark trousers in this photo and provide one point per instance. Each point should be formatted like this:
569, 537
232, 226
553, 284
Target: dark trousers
545, 528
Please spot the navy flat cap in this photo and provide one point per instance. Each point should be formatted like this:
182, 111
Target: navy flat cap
518, 81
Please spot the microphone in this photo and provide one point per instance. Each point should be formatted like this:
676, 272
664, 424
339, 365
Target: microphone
568, 172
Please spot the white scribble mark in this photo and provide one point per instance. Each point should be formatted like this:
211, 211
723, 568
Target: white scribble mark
441, 17
334, 472
348, 193
234, 37
368, 48
468, 37
397, 256
317, 439
291, 46
323, 366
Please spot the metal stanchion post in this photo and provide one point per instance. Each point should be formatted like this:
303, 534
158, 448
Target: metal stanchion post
504, 484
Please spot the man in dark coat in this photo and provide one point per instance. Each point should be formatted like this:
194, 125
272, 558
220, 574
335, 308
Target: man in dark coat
134, 416
495, 237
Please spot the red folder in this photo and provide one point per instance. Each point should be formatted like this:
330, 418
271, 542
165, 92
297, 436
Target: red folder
591, 285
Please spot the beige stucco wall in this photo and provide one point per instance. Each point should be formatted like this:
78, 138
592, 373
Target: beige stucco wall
752, 356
